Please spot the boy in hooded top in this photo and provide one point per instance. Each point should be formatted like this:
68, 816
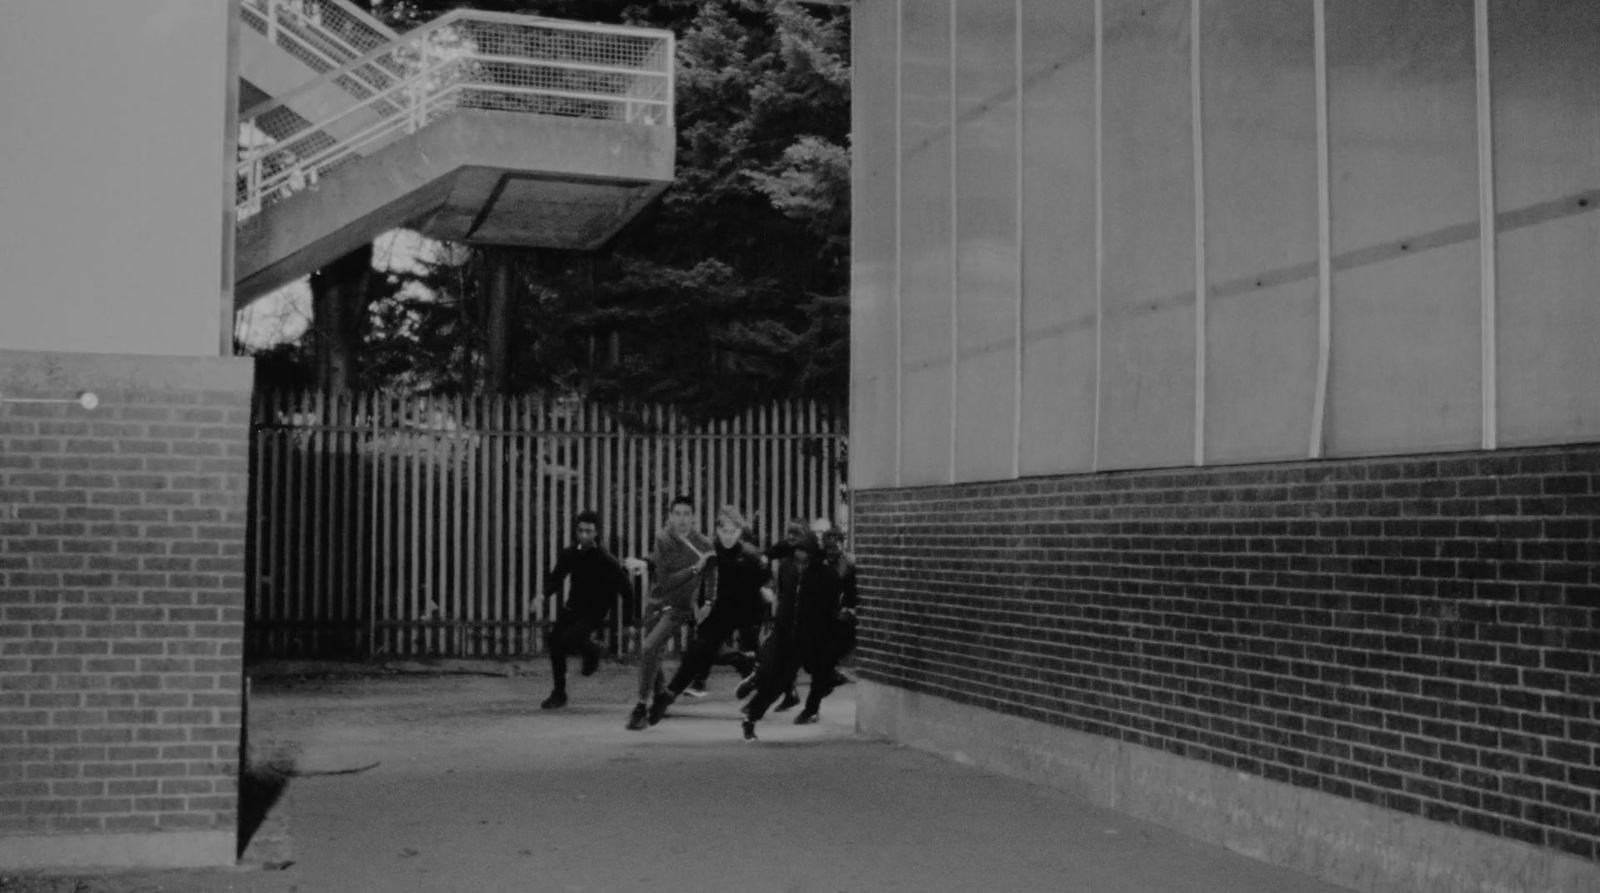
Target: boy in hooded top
680, 558
598, 581
785, 577
733, 602
800, 636
829, 620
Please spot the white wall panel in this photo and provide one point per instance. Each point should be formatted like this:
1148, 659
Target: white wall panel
1545, 64
1406, 297
987, 261
1148, 341
112, 173
926, 265
1058, 231
1259, 105
873, 372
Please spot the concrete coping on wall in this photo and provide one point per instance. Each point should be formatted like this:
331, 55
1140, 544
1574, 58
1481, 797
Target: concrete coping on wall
61, 375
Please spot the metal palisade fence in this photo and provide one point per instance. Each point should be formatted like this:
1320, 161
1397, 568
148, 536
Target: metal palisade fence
392, 525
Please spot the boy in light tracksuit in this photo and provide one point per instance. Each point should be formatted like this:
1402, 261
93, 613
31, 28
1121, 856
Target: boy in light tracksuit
679, 558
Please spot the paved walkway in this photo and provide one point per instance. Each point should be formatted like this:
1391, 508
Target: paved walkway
475, 789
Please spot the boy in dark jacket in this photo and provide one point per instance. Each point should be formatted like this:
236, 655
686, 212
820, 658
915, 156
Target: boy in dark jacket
598, 581
805, 631
733, 601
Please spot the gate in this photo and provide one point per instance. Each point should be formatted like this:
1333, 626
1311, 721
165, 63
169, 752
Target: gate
402, 525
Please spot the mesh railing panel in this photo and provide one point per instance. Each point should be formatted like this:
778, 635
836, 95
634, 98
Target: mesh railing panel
333, 29
464, 60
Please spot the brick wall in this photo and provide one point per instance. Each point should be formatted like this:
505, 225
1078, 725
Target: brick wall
1422, 634
122, 534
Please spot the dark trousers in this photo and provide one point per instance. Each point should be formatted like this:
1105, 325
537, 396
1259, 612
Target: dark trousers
777, 669
822, 667
782, 659
570, 635
707, 650
746, 641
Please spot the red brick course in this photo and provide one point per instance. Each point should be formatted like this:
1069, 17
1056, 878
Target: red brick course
1420, 633
121, 593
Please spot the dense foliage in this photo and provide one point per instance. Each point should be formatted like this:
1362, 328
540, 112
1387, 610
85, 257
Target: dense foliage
729, 290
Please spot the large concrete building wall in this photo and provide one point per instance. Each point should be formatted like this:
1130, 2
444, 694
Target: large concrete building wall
1080, 257
112, 175
1094, 240
121, 519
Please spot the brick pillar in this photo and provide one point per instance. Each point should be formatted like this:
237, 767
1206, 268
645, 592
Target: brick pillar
122, 533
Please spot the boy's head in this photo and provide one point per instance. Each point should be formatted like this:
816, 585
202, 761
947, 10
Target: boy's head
586, 526
795, 531
730, 526
680, 515
807, 551
832, 541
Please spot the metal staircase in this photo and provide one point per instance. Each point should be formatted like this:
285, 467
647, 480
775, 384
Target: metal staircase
478, 126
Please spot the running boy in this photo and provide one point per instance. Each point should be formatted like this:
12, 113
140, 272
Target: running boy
598, 581
734, 602
680, 557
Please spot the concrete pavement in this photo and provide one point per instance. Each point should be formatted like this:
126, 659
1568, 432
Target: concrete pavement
476, 789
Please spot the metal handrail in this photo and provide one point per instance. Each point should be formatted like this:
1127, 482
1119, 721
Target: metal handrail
452, 19
360, 34
324, 34
464, 59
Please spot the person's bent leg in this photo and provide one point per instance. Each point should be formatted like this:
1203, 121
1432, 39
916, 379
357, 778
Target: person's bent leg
773, 679
697, 660
555, 637
660, 630
579, 640
821, 669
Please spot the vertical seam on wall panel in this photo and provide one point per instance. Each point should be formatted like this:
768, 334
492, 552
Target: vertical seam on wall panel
1199, 236
1319, 409
955, 256
1016, 421
1099, 222
1487, 237
899, 244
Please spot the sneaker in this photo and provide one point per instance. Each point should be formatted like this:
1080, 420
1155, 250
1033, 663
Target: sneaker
658, 707
789, 700
806, 718
747, 687
749, 729
591, 662
696, 689
639, 719
556, 700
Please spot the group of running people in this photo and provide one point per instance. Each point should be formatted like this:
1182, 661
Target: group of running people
728, 588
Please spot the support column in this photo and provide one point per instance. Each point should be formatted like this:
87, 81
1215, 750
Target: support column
339, 298
497, 281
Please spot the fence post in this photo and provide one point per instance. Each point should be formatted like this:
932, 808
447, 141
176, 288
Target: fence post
374, 509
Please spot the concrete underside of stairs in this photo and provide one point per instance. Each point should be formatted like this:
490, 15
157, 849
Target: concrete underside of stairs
484, 177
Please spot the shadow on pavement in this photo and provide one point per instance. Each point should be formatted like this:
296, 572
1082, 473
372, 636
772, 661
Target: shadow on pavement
261, 786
